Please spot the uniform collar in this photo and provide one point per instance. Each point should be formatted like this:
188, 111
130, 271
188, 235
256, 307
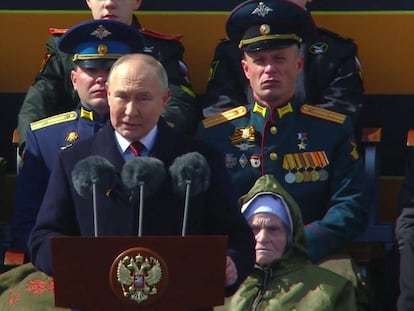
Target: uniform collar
87, 113
264, 110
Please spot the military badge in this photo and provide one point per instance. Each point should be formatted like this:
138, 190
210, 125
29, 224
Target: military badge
261, 10
72, 136
302, 137
243, 161
255, 160
230, 161
243, 134
101, 32
212, 71
318, 48
354, 152
244, 146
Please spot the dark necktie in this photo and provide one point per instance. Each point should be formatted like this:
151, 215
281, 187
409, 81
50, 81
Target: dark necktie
136, 148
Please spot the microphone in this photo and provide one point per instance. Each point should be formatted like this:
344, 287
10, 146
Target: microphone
140, 173
190, 175
91, 174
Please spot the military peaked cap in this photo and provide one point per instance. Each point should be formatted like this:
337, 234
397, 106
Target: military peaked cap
267, 24
99, 43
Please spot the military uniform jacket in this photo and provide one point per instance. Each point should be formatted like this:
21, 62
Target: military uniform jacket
52, 92
311, 151
214, 211
332, 77
291, 282
45, 140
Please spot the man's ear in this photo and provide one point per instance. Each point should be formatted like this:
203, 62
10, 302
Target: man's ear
88, 2
166, 97
139, 2
73, 78
245, 67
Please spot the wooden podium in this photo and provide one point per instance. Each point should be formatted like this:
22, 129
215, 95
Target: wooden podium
154, 273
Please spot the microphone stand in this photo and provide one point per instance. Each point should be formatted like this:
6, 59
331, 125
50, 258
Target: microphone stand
95, 209
187, 198
141, 205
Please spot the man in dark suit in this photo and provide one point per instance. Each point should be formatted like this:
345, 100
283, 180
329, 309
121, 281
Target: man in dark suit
137, 94
93, 55
52, 92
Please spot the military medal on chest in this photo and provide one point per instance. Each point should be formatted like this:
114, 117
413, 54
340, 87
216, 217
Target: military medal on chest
243, 139
305, 166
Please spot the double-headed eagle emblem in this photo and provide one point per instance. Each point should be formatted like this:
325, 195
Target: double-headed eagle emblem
139, 276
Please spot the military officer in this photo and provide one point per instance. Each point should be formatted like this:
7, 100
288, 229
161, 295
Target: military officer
52, 91
311, 150
332, 75
94, 47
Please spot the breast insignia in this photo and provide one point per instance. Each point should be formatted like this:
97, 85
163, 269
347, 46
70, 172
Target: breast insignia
323, 114
59, 118
225, 116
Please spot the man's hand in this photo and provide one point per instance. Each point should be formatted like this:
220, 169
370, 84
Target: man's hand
231, 272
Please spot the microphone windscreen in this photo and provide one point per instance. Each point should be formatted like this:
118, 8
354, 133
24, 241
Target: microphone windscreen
147, 170
191, 166
93, 169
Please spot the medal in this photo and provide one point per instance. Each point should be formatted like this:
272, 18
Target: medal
290, 178
306, 176
314, 175
298, 177
323, 175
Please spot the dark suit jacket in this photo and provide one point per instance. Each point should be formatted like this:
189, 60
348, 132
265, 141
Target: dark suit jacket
215, 211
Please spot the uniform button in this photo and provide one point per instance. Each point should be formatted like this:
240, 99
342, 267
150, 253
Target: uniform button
273, 130
273, 156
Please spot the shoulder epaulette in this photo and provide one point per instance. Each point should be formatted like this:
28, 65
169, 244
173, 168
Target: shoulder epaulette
332, 34
160, 35
59, 118
225, 116
57, 31
323, 114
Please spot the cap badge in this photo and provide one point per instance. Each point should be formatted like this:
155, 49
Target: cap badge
264, 29
262, 10
102, 49
101, 32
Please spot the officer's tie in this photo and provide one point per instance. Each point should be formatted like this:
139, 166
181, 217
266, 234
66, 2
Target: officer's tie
136, 148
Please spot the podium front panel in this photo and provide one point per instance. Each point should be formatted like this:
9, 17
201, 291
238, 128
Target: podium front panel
139, 273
